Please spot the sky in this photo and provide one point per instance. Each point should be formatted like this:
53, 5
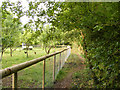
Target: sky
24, 3
24, 19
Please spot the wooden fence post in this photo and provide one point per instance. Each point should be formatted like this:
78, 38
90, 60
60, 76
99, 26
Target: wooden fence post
66, 52
65, 56
54, 62
60, 62
61, 59
43, 81
14, 80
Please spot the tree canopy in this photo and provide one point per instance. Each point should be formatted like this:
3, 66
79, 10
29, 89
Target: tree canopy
95, 26
99, 26
10, 27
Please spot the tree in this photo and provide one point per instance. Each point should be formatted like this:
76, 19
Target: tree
50, 37
27, 37
11, 26
10, 30
98, 24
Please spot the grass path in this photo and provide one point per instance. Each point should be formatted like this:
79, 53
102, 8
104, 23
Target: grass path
74, 64
67, 81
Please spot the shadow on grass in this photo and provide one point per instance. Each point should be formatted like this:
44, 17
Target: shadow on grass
82, 79
79, 74
72, 62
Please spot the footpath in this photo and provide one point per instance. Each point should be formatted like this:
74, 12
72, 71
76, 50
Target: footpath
74, 64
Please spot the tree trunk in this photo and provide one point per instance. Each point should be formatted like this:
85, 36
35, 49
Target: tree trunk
45, 49
10, 51
1, 55
27, 51
48, 51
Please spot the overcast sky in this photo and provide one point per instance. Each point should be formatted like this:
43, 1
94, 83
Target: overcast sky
24, 3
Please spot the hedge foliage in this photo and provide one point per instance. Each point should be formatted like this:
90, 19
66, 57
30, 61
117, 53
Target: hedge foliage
99, 26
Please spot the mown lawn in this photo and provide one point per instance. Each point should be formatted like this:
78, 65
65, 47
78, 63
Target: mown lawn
19, 56
30, 77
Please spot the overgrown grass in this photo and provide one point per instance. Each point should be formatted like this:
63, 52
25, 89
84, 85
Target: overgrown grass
82, 79
30, 77
72, 62
62, 73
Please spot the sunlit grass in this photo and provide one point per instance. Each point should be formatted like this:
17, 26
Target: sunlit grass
30, 77
19, 56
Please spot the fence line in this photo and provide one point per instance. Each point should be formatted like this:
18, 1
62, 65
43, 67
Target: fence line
57, 64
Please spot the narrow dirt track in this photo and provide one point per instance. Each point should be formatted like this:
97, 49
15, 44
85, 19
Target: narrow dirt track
67, 81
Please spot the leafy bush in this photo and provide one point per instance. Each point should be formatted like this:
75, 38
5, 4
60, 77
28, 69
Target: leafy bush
99, 26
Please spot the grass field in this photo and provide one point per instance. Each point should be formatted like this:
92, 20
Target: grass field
30, 77
19, 56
